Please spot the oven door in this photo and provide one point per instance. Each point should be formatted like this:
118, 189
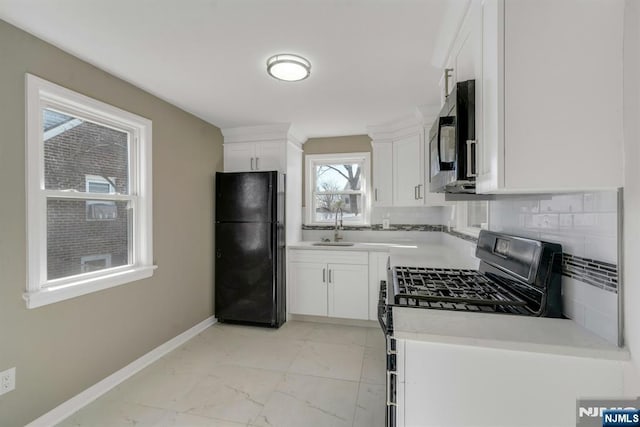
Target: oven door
386, 323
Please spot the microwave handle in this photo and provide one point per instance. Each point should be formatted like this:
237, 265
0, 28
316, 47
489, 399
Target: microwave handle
447, 121
471, 164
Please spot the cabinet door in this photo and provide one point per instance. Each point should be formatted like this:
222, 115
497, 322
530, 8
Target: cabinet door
348, 291
238, 157
456, 376
382, 174
308, 288
408, 175
490, 147
269, 156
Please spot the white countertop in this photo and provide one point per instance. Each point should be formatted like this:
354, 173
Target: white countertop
407, 254
357, 246
501, 331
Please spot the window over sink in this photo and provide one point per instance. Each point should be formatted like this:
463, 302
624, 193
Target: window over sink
338, 184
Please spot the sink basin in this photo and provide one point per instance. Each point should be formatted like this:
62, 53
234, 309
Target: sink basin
332, 244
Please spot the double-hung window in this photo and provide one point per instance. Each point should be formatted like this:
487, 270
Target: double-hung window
89, 219
338, 184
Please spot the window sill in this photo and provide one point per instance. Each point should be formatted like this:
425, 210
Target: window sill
82, 287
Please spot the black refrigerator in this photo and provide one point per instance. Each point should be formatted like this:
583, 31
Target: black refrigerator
250, 248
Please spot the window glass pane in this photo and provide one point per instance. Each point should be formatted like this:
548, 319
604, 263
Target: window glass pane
75, 148
338, 177
76, 244
477, 214
326, 206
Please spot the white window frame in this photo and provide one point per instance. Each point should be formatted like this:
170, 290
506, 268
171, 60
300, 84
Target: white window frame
462, 217
312, 160
40, 291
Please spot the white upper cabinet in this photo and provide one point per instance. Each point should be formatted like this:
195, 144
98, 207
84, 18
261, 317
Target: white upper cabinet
401, 165
239, 157
408, 171
382, 174
550, 95
260, 148
254, 156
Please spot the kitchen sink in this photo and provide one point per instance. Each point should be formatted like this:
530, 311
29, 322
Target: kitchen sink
333, 244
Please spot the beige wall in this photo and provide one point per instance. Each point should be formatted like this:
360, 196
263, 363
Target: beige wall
63, 348
338, 144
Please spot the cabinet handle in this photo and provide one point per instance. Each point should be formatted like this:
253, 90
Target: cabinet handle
324, 277
376, 194
329, 275
257, 164
415, 192
419, 192
389, 401
470, 164
252, 163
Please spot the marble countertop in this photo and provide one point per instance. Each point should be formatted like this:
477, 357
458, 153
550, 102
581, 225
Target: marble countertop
501, 331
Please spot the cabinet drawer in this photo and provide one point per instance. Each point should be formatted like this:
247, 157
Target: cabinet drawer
329, 256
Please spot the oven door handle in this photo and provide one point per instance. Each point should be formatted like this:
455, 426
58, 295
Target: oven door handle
389, 401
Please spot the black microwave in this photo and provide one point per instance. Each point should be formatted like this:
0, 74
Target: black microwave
452, 143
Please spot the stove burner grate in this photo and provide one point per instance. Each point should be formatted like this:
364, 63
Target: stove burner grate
450, 289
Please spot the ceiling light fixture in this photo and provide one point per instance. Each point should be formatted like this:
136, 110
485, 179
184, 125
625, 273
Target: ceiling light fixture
288, 67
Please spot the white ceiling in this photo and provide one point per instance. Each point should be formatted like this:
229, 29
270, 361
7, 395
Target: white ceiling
371, 59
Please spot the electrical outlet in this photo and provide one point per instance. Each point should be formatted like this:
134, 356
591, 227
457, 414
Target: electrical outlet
386, 223
7, 380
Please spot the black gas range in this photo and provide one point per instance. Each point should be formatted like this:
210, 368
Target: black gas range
516, 276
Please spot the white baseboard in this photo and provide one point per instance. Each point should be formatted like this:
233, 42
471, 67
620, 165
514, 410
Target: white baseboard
66, 409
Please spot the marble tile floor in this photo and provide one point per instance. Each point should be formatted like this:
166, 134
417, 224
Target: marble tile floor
303, 374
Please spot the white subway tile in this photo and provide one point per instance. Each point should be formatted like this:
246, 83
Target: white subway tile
566, 221
562, 203
601, 324
604, 201
602, 248
571, 244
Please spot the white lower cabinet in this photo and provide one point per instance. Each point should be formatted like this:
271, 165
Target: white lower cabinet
329, 283
307, 281
458, 385
348, 292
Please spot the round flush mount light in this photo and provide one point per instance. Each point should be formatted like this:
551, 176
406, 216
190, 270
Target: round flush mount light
288, 67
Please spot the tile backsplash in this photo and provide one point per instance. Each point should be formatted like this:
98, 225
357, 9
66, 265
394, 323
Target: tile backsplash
586, 225
409, 215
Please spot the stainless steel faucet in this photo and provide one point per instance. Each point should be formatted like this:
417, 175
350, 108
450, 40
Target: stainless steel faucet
336, 232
